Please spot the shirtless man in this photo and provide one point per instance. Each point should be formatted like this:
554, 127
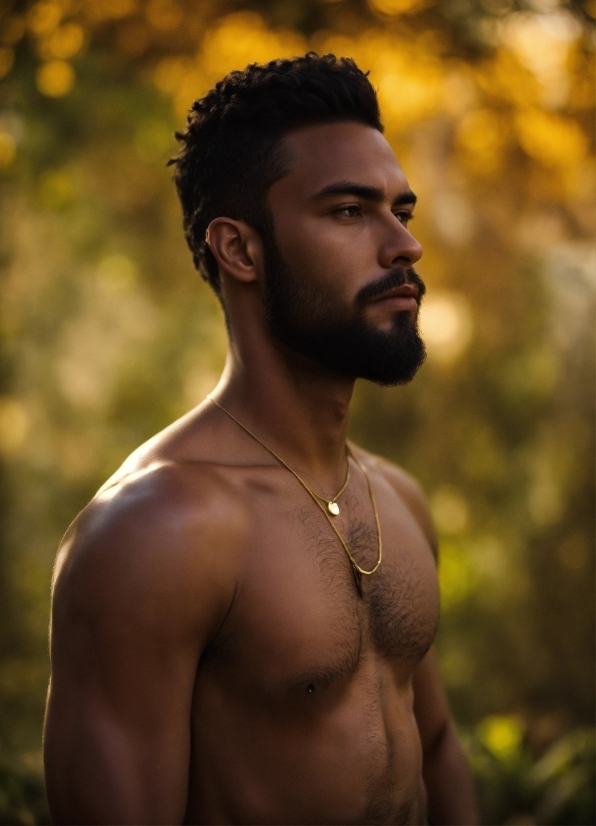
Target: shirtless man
217, 655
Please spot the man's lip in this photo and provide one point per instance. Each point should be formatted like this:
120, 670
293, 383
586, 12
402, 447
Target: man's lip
405, 291
397, 303
400, 299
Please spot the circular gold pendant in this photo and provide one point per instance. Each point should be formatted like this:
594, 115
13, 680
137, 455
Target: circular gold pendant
333, 508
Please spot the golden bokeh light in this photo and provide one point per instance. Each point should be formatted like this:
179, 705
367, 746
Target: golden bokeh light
449, 509
408, 96
504, 78
55, 78
6, 60
502, 735
554, 141
454, 217
8, 149
542, 42
44, 17
14, 425
65, 42
393, 7
243, 38
457, 577
406, 73
234, 41
482, 136
56, 188
169, 75
98, 11
460, 92
118, 272
545, 502
193, 84
78, 456
446, 326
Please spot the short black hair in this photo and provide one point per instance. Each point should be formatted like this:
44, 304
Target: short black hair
230, 149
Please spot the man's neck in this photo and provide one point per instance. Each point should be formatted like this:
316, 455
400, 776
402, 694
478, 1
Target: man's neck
297, 407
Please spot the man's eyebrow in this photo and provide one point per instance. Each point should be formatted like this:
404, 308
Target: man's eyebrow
367, 193
406, 197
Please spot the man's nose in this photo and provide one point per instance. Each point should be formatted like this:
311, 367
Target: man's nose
400, 248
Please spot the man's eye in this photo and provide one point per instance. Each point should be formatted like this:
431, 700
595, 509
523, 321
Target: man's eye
349, 211
404, 217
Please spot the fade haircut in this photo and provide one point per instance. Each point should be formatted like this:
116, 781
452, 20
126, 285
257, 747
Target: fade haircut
231, 150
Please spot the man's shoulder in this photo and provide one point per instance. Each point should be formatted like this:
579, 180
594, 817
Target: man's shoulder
179, 501
166, 533
406, 487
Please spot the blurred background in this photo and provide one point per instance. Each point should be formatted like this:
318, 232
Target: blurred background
108, 333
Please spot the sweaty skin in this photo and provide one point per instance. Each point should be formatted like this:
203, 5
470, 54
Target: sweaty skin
212, 660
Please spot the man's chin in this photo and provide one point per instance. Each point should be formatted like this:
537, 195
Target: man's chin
392, 375
386, 366
391, 357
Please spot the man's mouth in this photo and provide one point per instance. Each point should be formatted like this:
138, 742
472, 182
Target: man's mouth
398, 289
403, 298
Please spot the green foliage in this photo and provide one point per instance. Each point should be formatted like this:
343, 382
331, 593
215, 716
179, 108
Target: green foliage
22, 794
564, 780
515, 788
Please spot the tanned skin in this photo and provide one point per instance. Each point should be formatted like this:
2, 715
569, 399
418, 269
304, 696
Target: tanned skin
212, 661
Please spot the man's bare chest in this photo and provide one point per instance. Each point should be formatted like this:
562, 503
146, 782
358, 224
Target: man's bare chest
298, 617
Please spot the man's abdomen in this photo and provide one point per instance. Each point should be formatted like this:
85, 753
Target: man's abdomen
346, 752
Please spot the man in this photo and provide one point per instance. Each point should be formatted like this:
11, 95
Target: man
243, 616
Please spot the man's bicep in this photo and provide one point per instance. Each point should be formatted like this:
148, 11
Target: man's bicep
103, 768
128, 627
117, 725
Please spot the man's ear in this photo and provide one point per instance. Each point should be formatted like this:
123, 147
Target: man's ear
236, 248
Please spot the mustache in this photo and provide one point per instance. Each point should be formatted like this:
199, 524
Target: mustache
396, 277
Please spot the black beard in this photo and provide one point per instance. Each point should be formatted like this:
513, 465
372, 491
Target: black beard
308, 319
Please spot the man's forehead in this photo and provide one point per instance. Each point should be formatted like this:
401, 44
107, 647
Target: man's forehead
320, 155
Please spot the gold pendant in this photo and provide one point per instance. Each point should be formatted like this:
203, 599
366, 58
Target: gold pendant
333, 508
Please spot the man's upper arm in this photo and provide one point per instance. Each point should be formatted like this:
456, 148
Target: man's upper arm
142, 583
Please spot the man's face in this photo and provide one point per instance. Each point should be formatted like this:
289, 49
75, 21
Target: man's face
339, 283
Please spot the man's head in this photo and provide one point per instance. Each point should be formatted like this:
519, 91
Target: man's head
293, 150
232, 152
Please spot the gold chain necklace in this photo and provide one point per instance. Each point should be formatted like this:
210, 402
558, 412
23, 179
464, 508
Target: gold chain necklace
357, 570
331, 504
